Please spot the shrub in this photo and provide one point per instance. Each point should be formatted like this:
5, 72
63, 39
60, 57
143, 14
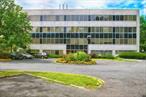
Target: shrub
82, 56
105, 56
132, 55
4, 56
54, 56
69, 57
79, 56
93, 55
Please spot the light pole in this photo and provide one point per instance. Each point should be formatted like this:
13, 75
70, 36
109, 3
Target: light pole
88, 38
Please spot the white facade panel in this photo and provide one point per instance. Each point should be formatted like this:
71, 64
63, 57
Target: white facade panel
138, 33
48, 46
111, 47
86, 23
82, 12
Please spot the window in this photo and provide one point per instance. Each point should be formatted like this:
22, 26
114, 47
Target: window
59, 29
110, 18
106, 18
85, 29
72, 29
129, 17
125, 17
86, 18
121, 17
51, 18
68, 18
82, 17
51, 29
134, 17
101, 29
34, 18
44, 18
59, 18
99, 35
107, 29
33, 35
44, 29
114, 18
93, 17
134, 29
36, 29
117, 18
126, 29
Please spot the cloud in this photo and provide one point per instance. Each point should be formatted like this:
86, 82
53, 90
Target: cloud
85, 4
91, 4
38, 4
144, 10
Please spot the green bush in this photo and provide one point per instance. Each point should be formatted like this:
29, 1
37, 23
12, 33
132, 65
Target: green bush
132, 55
82, 56
69, 57
79, 56
54, 56
93, 55
105, 56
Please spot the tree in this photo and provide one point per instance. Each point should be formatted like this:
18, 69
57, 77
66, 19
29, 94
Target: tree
142, 34
15, 26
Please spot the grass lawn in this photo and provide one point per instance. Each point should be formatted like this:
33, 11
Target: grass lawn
77, 80
116, 59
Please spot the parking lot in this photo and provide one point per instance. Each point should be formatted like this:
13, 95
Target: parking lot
122, 79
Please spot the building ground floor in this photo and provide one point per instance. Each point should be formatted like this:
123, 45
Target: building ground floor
62, 49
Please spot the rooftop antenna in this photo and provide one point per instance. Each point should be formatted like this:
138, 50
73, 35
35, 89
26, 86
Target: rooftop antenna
59, 6
63, 6
66, 6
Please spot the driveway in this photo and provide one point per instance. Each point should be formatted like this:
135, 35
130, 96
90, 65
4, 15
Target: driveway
122, 79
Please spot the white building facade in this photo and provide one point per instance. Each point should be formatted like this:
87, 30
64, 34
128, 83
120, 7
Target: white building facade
61, 31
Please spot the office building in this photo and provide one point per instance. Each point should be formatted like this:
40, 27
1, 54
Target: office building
61, 31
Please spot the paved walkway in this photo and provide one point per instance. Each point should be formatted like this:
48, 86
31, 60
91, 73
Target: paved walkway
122, 79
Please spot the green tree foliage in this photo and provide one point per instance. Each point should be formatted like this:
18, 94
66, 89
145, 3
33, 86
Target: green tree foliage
142, 33
14, 26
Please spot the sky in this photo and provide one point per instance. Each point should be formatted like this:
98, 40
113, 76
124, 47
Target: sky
85, 4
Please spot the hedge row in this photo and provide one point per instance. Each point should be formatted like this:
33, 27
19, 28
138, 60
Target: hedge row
132, 55
104, 56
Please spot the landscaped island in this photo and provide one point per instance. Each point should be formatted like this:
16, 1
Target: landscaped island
76, 58
76, 80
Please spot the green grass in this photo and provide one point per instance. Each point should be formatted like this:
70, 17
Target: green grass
116, 59
77, 80
54, 56
9, 73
